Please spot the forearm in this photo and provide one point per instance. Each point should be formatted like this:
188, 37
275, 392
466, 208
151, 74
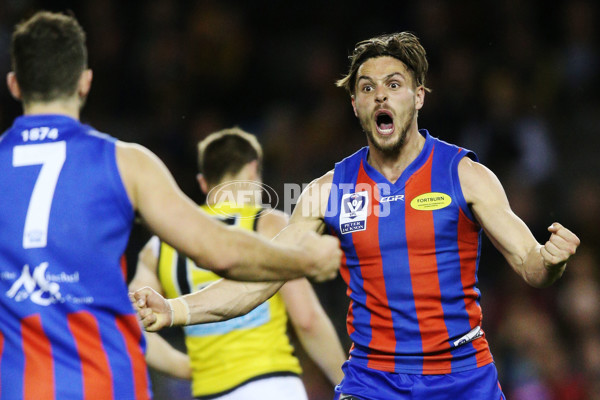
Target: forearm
226, 299
248, 257
536, 272
161, 356
322, 344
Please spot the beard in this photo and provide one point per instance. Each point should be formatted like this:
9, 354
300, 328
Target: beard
391, 147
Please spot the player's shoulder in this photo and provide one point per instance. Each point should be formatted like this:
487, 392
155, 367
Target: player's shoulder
477, 181
472, 170
137, 158
271, 222
318, 183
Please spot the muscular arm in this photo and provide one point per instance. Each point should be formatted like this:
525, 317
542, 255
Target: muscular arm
539, 265
232, 253
226, 299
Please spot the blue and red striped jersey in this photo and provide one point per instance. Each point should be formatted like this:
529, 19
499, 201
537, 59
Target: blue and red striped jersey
411, 254
68, 329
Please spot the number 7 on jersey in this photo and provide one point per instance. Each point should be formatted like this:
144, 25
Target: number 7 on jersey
52, 157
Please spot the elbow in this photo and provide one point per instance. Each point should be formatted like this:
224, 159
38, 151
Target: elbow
221, 263
306, 324
224, 264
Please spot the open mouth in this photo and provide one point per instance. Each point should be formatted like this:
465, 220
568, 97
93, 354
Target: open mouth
384, 122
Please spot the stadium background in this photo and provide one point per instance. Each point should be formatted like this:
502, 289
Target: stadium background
515, 81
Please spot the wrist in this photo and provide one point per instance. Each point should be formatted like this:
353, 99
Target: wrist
180, 311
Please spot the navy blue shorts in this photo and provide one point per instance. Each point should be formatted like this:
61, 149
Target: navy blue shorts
368, 384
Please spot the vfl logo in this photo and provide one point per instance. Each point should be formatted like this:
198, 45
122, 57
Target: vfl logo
35, 287
354, 212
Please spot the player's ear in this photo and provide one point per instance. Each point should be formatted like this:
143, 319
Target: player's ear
13, 85
203, 183
420, 97
85, 83
354, 105
253, 170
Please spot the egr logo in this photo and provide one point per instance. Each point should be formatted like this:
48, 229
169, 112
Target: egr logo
353, 216
238, 193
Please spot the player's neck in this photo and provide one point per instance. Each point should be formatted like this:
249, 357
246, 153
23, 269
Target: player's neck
70, 108
392, 166
240, 189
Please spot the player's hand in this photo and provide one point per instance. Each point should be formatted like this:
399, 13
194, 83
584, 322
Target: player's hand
326, 253
153, 309
560, 247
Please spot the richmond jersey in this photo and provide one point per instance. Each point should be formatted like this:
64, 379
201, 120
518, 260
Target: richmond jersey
68, 330
411, 257
227, 354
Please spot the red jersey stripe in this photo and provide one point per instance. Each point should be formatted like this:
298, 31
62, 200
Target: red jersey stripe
1, 351
366, 245
468, 250
423, 267
345, 273
94, 361
130, 329
124, 267
38, 383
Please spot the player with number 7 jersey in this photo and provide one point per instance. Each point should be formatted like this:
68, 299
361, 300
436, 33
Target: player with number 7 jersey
68, 196
71, 303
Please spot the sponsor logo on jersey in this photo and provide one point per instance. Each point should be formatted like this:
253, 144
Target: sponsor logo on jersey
41, 287
473, 334
388, 199
431, 201
353, 216
35, 286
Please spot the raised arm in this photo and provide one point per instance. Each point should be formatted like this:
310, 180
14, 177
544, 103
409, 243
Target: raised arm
229, 252
539, 265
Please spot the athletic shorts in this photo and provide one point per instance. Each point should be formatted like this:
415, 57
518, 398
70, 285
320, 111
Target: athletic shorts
271, 388
362, 383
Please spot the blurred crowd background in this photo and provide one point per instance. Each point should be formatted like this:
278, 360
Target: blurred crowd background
515, 81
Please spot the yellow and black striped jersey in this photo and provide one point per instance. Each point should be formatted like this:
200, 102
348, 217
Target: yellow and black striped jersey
226, 354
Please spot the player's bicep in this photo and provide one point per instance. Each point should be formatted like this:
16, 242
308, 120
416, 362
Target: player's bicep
488, 201
271, 223
163, 207
310, 210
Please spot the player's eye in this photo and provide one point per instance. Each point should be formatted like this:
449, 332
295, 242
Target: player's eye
367, 88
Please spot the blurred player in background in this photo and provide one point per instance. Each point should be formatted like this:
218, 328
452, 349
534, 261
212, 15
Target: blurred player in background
69, 195
249, 357
409, 210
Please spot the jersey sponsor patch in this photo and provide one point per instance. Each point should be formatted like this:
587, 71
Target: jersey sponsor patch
353, 215
431, 201
473, 334
42, 287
